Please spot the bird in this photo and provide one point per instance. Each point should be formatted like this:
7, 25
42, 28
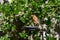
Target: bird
38, 24
36, 21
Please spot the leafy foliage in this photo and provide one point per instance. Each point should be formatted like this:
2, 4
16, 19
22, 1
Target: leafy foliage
18, 13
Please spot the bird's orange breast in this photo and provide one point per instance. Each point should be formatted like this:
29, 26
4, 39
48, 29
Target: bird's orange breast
34, 18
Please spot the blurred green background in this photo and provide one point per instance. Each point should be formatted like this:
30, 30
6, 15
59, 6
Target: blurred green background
17, 13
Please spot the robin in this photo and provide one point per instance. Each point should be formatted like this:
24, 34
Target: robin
36, 21
39, 25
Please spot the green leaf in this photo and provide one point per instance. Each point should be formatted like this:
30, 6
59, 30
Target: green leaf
23, 19
23, 35
13, 28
